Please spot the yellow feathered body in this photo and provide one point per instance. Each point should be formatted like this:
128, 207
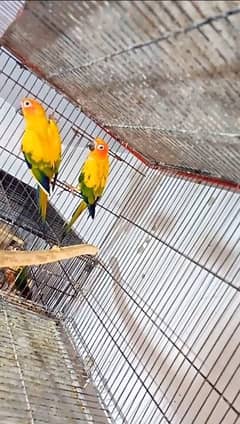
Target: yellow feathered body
92, 180
41, 146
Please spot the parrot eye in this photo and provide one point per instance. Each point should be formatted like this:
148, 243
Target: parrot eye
27, 103
100, 147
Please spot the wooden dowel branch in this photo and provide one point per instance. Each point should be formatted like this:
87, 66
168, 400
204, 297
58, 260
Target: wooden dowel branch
17, 258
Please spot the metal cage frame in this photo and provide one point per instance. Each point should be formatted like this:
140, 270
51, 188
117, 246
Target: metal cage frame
149, 330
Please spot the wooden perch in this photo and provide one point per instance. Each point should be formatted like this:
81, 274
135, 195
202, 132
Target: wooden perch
39, 257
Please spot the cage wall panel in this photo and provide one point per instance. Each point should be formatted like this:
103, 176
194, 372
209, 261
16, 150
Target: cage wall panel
157, 318
162, 76
38, 380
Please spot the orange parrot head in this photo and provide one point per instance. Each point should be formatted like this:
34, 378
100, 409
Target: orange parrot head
32, 108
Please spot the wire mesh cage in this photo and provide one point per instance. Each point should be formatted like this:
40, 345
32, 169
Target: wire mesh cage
148, 331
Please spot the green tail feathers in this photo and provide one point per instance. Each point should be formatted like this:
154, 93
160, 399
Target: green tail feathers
81, 207
42, 200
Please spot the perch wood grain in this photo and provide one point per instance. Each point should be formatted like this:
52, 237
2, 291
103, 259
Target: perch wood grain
39, 257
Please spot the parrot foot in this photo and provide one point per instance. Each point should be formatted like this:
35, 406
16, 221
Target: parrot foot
52, 114
55, 247
70, 188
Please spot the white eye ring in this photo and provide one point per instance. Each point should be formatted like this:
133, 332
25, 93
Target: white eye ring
27, 103
100, 147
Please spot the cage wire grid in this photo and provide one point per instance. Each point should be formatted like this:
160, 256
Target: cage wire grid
155, 319
157, 314
170, 67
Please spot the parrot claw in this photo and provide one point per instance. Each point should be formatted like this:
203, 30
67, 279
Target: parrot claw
55, 247
52, 114
70, 188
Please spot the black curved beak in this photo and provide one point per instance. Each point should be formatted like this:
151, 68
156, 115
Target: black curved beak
19, 110
91, 145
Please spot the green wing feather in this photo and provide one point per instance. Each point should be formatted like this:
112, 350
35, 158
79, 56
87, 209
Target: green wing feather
90, 194
41, 172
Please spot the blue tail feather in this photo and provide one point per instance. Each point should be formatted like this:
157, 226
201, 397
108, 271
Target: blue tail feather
42, 180
91, 210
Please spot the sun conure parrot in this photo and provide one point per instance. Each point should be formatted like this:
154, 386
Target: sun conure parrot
92, 179
41, 146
